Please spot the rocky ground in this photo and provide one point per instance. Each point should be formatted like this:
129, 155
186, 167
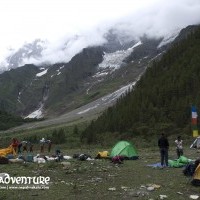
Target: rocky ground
101, 179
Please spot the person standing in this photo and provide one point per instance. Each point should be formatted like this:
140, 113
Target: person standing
164, 147
15, 144
49, 145
30, 147
24, 146
19, 148
179, 146
42, 142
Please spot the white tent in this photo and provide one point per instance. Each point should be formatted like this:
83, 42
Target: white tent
196, 143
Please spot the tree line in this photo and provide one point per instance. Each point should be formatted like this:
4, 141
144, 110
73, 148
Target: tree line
8, 120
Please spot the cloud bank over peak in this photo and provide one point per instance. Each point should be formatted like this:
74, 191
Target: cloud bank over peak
68, 27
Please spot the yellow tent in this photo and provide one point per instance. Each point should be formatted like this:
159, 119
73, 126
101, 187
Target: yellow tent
196, 176
8, 150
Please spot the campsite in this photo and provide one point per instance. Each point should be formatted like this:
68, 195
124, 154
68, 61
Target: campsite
99, 100
102, 179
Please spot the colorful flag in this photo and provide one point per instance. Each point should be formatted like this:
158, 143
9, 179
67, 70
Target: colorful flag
194, 122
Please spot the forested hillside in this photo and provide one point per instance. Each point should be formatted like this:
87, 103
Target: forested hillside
8, 120
161, 100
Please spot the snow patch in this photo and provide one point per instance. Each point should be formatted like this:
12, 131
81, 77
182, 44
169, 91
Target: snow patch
108, 98
62, 67
30, 51
137, 44
58, 71
42, 73
115, 95
88, 109
99, 74
115, 60
18, 98
36, 114
168, 39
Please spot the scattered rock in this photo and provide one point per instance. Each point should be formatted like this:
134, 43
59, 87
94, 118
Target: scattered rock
134, 194
179, 193
138, 193
163, 196
111, 175
156, 186
124, 188
194, 196
68, 171
66, 165
150, 188
112, 189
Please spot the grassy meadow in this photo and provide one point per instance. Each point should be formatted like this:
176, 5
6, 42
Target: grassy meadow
101, 179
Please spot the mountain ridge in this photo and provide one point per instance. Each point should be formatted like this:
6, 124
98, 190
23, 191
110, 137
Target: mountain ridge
59, 88
161, 100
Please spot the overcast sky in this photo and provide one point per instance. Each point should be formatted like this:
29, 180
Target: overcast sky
56, 20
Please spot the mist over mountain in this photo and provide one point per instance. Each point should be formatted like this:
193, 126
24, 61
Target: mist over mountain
161, 100
115, 25
57, 63
41, 53
50, 90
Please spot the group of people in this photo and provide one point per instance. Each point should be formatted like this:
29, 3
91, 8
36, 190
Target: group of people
163, 144
26, 146
22, 146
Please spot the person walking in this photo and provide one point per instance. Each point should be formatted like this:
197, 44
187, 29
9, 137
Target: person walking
179, 146
164, 147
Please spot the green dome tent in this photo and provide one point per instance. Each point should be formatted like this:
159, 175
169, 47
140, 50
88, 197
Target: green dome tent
126, 149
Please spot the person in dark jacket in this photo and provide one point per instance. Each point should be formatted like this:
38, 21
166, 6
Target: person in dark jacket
164, 146
49, 145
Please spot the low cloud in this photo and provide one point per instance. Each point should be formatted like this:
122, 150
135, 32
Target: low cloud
86, 26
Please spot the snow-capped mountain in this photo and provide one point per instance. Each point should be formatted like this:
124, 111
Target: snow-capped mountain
40, 52
24, 55
53, 89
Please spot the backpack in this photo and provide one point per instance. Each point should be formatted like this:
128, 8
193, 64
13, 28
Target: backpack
189, 169
117, 159
3, 160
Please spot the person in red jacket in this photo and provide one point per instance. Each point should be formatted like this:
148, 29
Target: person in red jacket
15, 143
